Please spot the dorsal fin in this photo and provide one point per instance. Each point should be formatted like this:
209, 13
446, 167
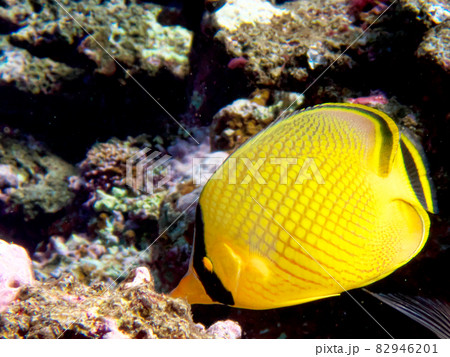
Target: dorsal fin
386, 133
417, 169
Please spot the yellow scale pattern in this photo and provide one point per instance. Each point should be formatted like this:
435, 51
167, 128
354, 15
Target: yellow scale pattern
332, 221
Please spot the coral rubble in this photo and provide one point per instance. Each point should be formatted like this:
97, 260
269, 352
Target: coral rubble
67, 308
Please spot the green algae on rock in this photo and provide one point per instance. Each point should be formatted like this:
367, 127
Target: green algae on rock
127, 30
120, 214
285, 44
89, 260
34, 75
68, 309
430, 12
435, 16
435, 46
42, 183
146, 205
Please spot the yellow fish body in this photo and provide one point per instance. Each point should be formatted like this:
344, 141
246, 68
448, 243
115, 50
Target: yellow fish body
330, 199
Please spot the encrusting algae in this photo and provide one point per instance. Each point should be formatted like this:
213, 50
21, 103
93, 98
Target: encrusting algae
65, 308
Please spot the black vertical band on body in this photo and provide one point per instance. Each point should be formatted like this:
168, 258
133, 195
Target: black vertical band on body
210, 281
413, 175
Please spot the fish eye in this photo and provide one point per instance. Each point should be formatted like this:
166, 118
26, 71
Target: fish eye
207, 264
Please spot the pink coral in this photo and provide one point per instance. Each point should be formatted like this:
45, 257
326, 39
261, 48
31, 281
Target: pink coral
239, 62
15, 272
359, 5
372, 100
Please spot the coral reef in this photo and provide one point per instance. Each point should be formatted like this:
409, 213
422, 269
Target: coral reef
435, 47
284, 45
235, 123
191, 168
124, 219
230, 66
430, 12
435, 16
140, 207
90, 261
41, 183
14, 13
235, 12
19, 69
128, 31
105, 164
66, 308
15, 272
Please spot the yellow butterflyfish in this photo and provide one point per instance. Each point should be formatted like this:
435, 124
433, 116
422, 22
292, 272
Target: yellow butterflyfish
329, 199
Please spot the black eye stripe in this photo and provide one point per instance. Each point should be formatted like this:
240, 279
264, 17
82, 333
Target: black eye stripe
211, 282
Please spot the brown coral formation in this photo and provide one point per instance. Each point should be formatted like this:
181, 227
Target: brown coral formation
309, 35
31, 74
105, 164
41, 177
65, 308
243, 118
435, 46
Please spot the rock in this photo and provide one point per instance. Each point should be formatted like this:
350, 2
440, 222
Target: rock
15, 272
279, 41
7, 177
235, 12
41, 179
430, 12
127, 30
435, 46
89, 260
68, 309
225, 329
19, 69
139, 276
237, 122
